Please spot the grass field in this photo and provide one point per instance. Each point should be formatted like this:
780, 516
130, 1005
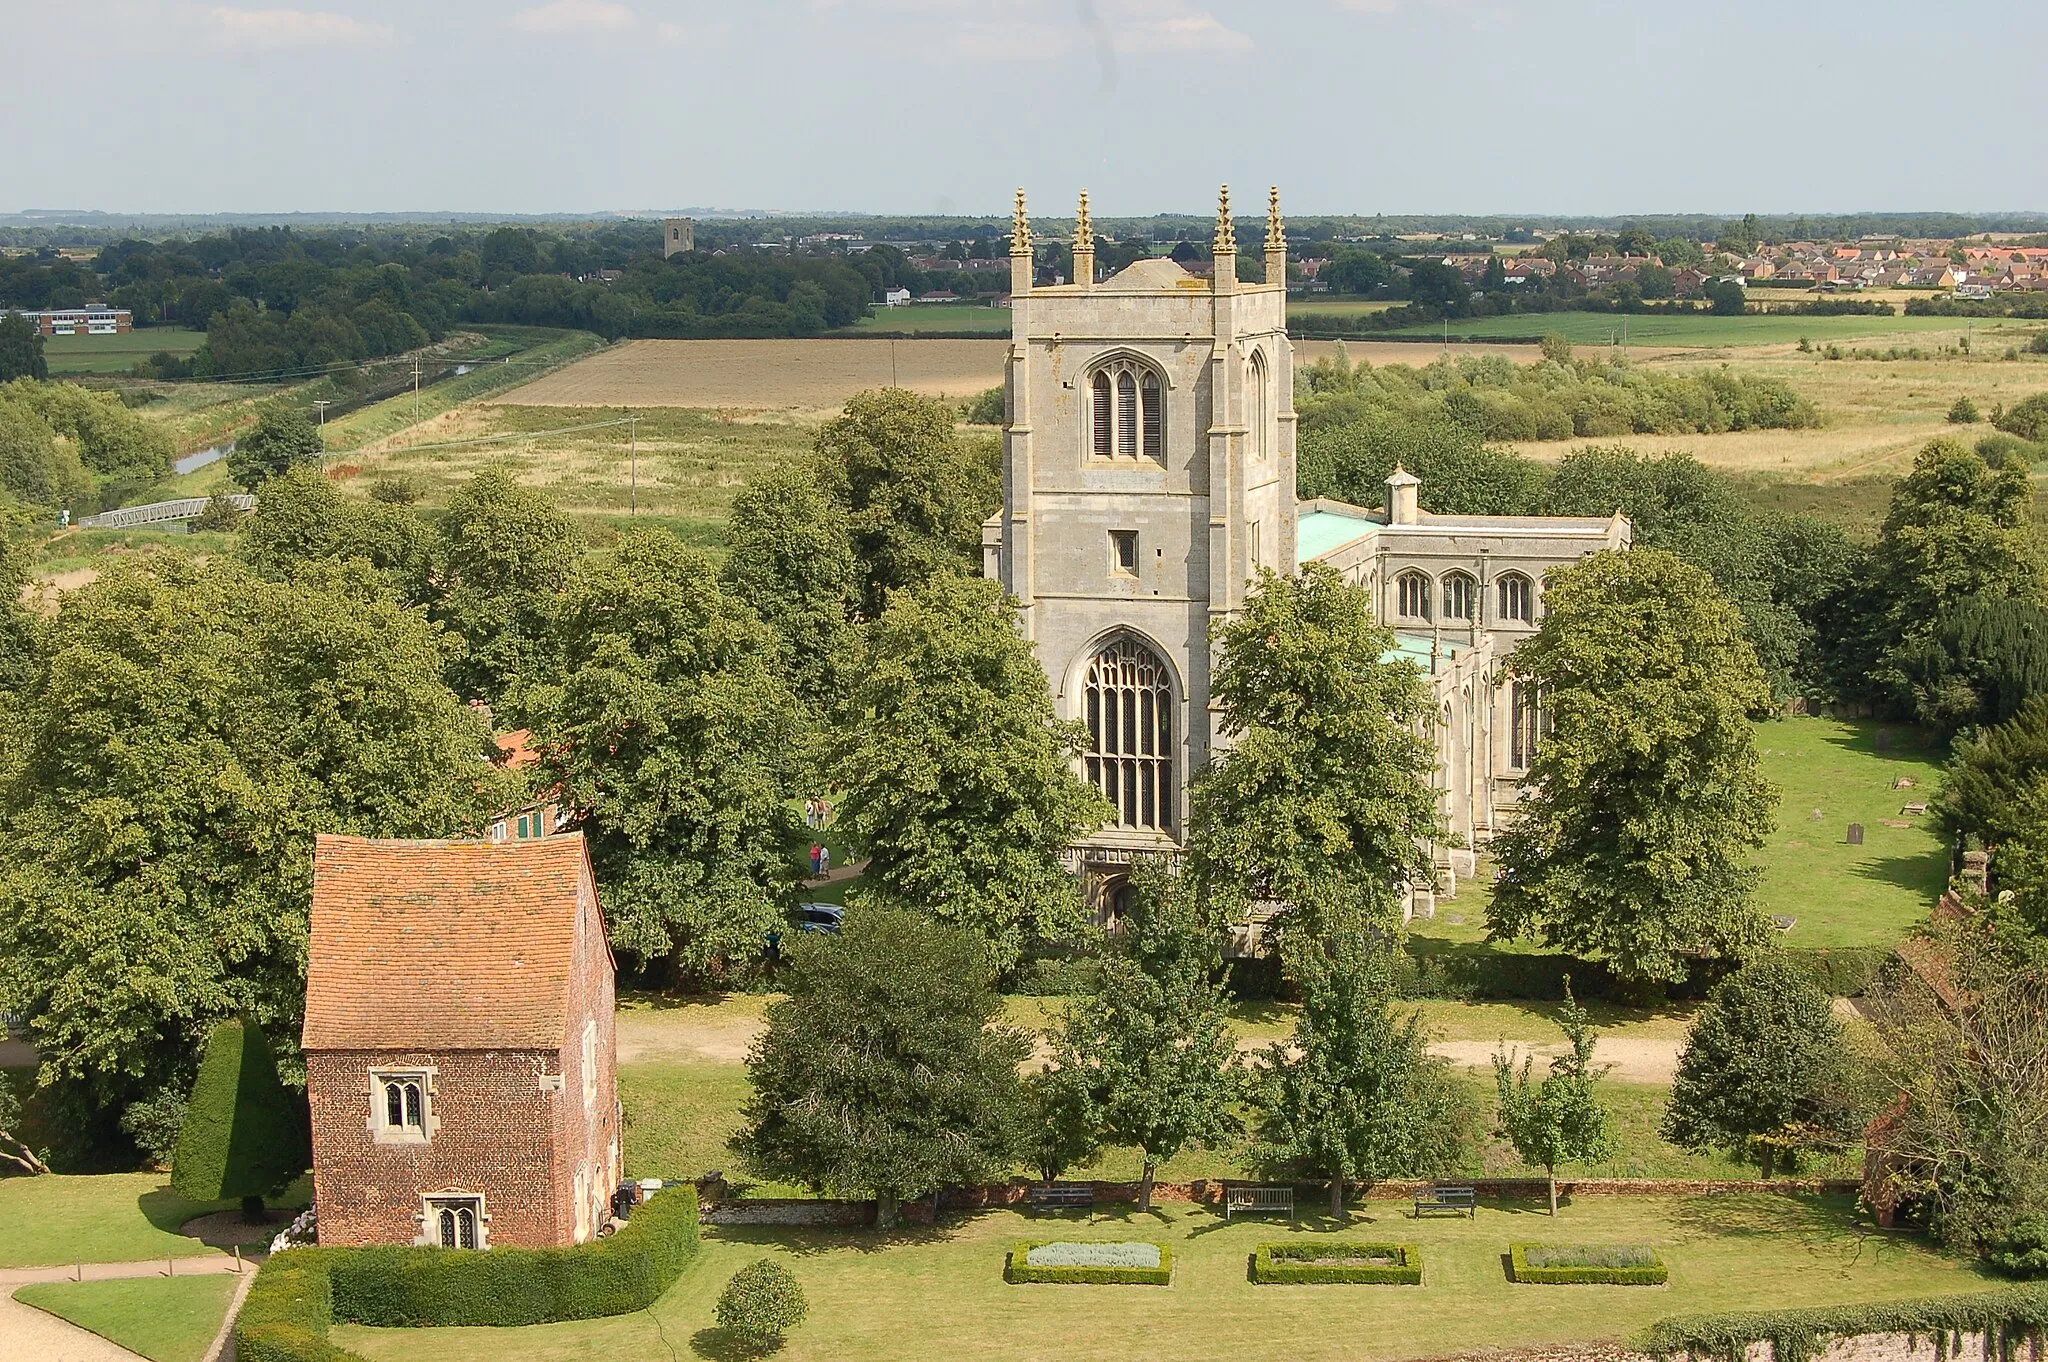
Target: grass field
106, 1218
1705, 330
506, 358
766, 374
116, 354
939, 1293
166, 1319
917, 317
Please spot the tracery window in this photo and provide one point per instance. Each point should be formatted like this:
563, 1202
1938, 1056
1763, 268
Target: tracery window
1460, 594
1126, 412
401, 1105
1261, 414
1516, 598
1129, 698
1528, 725
456, 1221
1413, 596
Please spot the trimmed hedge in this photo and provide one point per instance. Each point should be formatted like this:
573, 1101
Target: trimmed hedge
1839, 971
1302, 1262
2009, 1316
1581, 1276
1017, 1269
301, 1292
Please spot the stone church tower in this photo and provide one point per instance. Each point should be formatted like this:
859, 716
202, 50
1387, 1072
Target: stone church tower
1148, 474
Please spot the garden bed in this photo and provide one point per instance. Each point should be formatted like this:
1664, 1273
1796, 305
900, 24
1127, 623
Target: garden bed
1580, 1264
1093, 1263
1336, 1261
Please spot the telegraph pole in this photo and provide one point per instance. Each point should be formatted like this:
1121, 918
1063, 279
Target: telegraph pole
633, 461
415, 392
321, 403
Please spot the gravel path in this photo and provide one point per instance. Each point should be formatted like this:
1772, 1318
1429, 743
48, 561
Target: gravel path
29, 1335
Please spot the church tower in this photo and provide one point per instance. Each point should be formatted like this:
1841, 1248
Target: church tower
1148, 474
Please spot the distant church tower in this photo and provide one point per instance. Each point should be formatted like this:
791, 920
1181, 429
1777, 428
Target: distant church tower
1148, 473
678, 236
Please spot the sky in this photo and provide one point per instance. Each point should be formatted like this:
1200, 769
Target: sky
1596, 107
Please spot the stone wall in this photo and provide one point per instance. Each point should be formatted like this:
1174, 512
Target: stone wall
1884, 1347
1209, 1191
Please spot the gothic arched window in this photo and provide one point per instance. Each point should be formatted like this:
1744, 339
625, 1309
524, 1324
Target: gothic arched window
1126, 414
1130, 733
1261, 415
1529, 724
1460, 593
1412, 590
1516, 598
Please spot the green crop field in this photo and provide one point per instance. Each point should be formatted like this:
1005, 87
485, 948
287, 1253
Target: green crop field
933, 317
116, 354
166, 1319
1700, 329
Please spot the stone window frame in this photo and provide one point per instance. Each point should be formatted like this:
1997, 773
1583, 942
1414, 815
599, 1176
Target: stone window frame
1516, 596
1259, 418
1119, 540
1130, 706
1414, 595
452, 1200
381, 1078
1458, 583
1529, 723
1116, 433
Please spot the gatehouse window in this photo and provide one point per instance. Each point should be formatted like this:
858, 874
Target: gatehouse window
1460, 592
1126, 415
1413, 594
1123, 548
455, 1222
400, 1105
1129, 702
1516, 598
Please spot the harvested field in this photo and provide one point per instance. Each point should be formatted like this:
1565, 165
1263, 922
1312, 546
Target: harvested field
764, 374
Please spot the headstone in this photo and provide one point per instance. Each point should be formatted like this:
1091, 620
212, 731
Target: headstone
1855, 834
1904, 783
1914, 810
1883, 739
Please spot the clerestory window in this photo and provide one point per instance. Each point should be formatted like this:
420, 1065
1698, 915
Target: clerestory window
1460, 594
1413, 596
1516, 598
1127, 419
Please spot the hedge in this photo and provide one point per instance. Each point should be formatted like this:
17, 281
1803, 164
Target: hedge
1580, 1276
1298, 1262
1839, 971
2009, 1316
1018, 1269
300, 1292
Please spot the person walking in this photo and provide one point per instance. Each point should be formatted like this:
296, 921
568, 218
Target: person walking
824, 859
817, 859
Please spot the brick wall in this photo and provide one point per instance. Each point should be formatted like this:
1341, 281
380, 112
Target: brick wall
587, 1134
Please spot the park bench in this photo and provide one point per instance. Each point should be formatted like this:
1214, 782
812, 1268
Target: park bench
1257, 1200
1060, 1195
1447, 1198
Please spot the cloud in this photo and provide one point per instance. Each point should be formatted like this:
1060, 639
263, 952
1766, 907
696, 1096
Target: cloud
1369, 6
273, 29
1199, 32
574, 16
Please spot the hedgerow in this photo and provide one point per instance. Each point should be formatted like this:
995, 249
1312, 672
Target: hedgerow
1303, 1263
1584, 1265
300, 1293
2007, 1317
1018, 1269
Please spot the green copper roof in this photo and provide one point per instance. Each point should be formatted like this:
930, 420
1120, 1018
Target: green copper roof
1318, 532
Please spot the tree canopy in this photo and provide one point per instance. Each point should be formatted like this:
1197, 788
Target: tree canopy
1559, 1120
283, 438
501, 554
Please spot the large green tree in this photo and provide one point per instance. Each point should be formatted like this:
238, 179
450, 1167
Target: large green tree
500, 554
888, 1072
1154, 1038
242, 1138
1764, 1070
1646, 797
35, 467
1355, 1095
186, 732
302, 518
676, 741
282, 438
21, 348
1559, 1120
1321, 799
957, 775
790, 556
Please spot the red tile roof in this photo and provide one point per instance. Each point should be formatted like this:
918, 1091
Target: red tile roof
442, 945
516, 749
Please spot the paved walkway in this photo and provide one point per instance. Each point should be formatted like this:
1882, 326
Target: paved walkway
30, 1335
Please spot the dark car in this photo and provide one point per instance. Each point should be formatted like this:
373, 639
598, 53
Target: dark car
820, 917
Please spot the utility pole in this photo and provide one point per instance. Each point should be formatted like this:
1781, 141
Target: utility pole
415, 392
633, 461
321, 403
892, 365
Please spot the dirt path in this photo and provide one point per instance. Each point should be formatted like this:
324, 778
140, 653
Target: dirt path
1627, 1059
29, 1335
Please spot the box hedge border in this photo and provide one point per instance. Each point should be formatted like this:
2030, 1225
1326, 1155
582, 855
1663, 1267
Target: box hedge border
1287, 1263
1017, 1270
1583, 1276
299, 1293
2009, 1316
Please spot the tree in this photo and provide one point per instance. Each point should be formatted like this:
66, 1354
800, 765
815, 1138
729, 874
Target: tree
302, 518
242, 1137
185, 732
1729, 298
958, 775
14, 1148
500, 554
790, 557
1356, 1095
2026, 418
914, 493
888, 1071
1154, 1038
21, 349
1061, 1124
1559, 1120
1646, 795
761, 1303
1322, 797
676, 743
1763, 1069
282, 438
1963, 412
34, 468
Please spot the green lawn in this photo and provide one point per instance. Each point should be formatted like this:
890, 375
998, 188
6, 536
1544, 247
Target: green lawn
916, 317
116, 354
1688, 329
1831, 774
105, 1218
168, 1319
939, 1293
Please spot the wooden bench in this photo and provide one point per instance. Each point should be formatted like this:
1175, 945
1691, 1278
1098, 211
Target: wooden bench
1257, 1200
1463, 1199
1060, 1195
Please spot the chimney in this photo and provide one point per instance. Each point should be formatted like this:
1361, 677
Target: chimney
1402, 507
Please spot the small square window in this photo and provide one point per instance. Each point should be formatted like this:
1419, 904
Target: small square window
1124, 551
401, 1106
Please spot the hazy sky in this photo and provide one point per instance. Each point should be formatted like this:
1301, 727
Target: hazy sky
1569, 106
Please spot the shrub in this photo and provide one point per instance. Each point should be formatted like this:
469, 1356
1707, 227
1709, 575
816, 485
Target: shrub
301, 1292
2008, 1315
220, 514
1963, 412
1840, 971
1617, 1265
2039, 344
761, 1303
985, 408
2023, 1252
2027, 419
1021, 1269
241, 1135
1337, 1261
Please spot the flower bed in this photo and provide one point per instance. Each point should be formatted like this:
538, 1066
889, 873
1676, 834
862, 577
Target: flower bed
1310, 1261
1577, 1264
1100, 1263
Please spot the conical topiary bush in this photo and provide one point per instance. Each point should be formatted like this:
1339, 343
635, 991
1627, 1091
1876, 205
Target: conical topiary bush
242, 1137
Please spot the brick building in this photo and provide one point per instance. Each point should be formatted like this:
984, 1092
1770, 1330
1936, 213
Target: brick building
460, 1058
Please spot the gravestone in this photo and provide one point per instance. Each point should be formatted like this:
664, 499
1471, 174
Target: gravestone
1855, 834
1882, 740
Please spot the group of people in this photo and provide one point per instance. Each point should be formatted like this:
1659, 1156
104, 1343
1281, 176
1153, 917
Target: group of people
818, 813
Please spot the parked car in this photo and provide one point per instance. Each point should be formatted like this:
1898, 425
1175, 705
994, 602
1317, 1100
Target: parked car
820, 917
